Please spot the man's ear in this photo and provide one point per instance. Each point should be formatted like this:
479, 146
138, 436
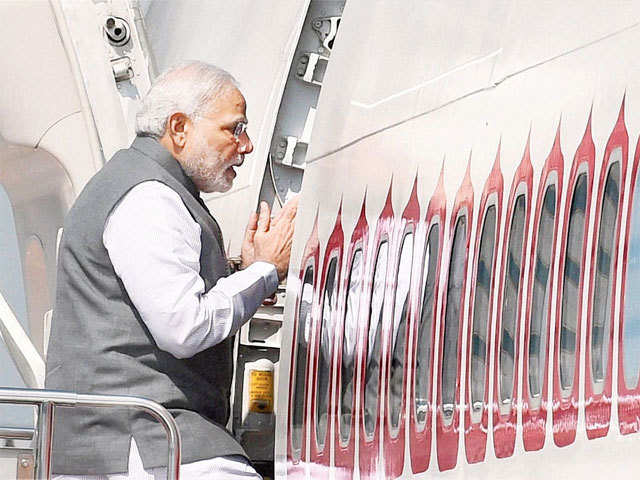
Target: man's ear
177, 127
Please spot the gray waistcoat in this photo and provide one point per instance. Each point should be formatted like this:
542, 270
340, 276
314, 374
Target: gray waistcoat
99, 344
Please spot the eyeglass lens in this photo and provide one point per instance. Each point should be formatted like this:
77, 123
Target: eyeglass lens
240, 128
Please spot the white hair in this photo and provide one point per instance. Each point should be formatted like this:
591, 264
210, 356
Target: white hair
189, 88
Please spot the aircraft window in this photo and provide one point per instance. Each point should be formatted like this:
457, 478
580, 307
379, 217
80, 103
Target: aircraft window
373, 339
349, 344
510, 300
631, 325
452, 318
302, 347
12, 289
601, 320
324, 352
399, 338
571, 283
482, 294
541, 293
423, 355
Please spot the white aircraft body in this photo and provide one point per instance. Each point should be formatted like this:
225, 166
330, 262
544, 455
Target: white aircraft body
462, 299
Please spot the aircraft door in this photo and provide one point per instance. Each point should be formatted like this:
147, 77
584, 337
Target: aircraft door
35, 193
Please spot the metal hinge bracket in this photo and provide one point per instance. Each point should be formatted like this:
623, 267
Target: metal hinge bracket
327, 29
307, 66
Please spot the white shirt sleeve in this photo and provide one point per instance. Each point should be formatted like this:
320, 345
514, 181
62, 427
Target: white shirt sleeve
154, 246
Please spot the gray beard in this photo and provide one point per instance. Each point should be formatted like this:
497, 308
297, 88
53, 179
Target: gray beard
204, 172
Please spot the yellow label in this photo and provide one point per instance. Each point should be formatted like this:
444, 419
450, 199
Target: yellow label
261, 391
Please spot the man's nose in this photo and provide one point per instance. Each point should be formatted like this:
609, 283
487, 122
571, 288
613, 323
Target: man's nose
244, 144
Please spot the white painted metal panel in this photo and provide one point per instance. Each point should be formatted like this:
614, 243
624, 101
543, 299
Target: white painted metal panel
38, 87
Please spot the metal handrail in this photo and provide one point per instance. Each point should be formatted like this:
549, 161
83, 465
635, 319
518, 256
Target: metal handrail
47, 400
17, 433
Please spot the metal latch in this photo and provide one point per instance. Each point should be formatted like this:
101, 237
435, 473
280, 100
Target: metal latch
122, 70
327, 29
287, 146
307, 66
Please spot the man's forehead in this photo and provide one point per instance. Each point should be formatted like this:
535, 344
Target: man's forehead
235, 97
231, 103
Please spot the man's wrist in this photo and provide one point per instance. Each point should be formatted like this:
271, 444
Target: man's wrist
267, 269
269, 273
235, 264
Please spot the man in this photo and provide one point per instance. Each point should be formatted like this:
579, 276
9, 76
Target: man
146, 304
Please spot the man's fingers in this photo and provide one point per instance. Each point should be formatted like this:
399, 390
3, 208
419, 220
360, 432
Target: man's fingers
253, 221
274, 237
264, 217
291, 207
252, 226
288, 211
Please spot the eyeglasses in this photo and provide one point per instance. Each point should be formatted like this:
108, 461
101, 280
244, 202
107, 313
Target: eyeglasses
239, 129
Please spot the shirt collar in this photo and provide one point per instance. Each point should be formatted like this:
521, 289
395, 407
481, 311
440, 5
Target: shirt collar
152, 148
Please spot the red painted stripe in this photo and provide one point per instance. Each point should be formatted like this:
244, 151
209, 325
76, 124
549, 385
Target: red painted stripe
369, 445
475, 432
345, 452
295, 457
319, 454
628, 395
420, 435
394, 440
447, 434
598, 405
565, 410
534, 420
504, 425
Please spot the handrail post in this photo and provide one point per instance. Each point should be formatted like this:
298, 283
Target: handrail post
44, 437
173, 464
46, 400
